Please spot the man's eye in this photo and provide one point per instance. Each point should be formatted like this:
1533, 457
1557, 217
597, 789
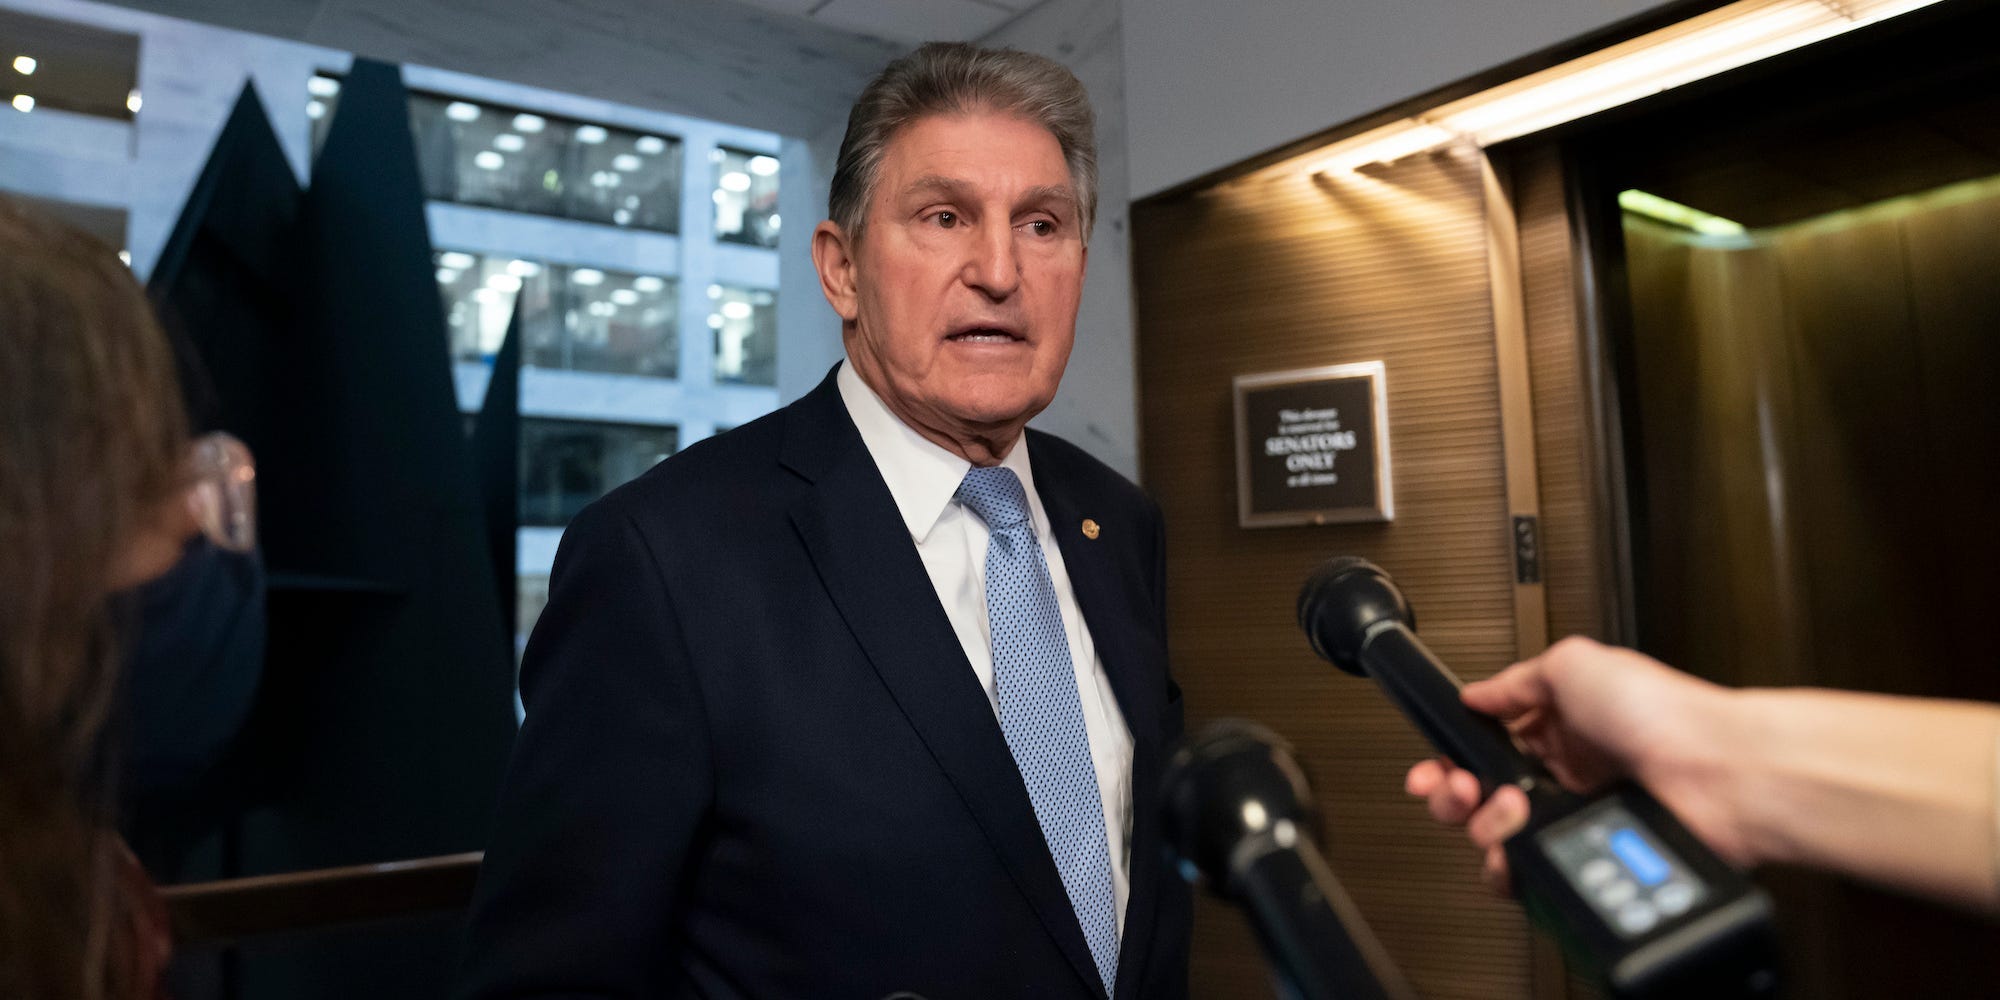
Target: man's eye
1042, 227
946, 220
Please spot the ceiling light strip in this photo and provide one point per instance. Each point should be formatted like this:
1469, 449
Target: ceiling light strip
1703, 46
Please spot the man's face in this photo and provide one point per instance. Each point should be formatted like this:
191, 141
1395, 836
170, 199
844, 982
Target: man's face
960, 297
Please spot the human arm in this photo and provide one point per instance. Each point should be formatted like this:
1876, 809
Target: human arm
1898, 791
607, 788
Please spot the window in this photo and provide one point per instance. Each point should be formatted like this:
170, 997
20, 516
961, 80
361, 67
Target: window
499, 157
565, 464
531, 595
483, 154
614, 322
746, 197
480, 296
58, 66
745, 321
576, 318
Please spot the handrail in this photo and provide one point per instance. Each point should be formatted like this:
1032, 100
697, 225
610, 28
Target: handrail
228, 910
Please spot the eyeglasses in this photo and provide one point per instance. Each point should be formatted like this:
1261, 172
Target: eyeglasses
224, 495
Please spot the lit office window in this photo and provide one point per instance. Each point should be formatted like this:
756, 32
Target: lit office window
523, 161
577, 318
480, 295
48, 65
565, 464
614, 322
322, 96
482, 154
745, 322
531, 595
746, 197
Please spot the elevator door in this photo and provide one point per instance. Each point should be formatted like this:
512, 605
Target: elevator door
1811, 437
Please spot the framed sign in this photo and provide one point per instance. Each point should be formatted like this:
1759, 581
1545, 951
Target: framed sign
1312, 447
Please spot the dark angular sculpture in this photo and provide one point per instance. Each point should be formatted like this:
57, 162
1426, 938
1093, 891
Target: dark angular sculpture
311, 327
496, 451
228, 280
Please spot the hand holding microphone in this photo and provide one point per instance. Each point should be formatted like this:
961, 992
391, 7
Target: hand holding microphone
1594, 714
1614, 875
1903, 792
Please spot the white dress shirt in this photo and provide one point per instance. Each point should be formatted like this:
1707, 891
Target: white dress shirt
922, 478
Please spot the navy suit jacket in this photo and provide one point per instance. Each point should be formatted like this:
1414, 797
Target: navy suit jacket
757, 764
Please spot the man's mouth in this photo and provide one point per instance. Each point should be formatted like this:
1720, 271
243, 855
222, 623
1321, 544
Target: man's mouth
984, 335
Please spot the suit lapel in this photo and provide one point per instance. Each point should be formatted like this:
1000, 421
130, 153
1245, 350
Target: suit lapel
1136, 679
871, 570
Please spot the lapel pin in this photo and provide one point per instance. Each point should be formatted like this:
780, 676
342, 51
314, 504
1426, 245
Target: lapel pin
1090, 528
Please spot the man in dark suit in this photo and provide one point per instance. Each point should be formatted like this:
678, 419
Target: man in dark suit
870, 696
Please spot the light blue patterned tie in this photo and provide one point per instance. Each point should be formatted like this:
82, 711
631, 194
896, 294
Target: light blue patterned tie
1040, 714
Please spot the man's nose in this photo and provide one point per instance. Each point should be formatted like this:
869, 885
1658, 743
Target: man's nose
994, 266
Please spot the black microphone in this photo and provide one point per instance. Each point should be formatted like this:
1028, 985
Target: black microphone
1615, 876
1238, 817
1357, 620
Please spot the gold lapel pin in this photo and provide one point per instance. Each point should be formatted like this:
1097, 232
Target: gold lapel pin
1090, 528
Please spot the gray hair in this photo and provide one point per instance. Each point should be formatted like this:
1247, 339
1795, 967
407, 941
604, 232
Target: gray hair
944, 78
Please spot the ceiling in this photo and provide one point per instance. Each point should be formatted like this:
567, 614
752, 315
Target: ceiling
80, 69
788, 66
1777, 176
907, 21
1901, 108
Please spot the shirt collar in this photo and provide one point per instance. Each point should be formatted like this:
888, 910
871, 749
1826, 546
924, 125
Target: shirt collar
922, 476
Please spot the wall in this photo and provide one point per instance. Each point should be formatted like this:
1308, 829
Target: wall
808, 331
1577, 537
1214, 83
1292, 271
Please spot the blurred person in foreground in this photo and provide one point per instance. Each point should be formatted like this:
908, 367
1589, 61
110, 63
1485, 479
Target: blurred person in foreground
869, 696
100, 494
1903, 792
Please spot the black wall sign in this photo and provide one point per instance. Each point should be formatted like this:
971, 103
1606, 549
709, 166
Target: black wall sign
1312, 446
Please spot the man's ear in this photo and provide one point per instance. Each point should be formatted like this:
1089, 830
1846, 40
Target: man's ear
833, 258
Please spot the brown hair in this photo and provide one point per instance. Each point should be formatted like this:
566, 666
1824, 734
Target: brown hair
92, 439
947, 78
